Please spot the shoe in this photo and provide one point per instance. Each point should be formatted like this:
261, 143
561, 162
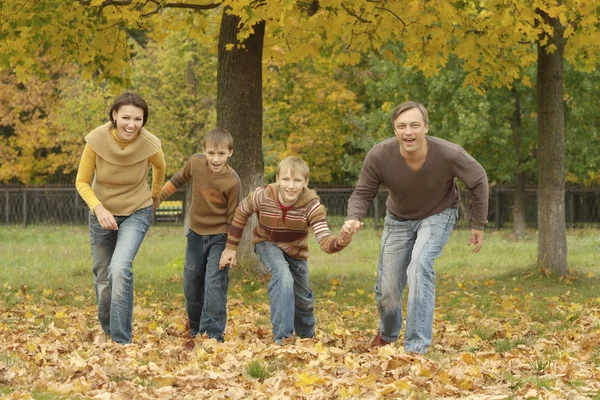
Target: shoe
286, 340
379, 341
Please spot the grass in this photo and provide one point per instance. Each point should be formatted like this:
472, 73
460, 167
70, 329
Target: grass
255, 369
58, 258
496, 300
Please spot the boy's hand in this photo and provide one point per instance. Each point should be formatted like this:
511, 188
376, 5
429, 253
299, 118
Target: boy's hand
228, 257
345, 236
155, 203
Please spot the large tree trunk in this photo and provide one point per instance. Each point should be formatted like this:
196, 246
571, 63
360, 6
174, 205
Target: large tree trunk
552, 241
520, 203
239, 108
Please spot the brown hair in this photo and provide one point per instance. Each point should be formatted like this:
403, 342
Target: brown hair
218, 137
409, 105
128, 99
295, 165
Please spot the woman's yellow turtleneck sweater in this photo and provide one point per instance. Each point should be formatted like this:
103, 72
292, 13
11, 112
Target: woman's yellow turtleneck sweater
119, 170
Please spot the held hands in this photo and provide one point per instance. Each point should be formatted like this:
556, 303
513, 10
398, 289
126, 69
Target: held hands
352, 226
228, 257
345, 236
476, 240
105, 218
349, 228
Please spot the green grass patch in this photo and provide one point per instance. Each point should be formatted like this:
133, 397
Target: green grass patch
257, 370
54, 263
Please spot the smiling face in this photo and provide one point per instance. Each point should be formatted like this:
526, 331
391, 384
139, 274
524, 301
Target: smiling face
291, 185
410, 129
129, 120
216, 156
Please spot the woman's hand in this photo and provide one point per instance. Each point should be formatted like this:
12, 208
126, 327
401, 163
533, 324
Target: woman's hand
105, 218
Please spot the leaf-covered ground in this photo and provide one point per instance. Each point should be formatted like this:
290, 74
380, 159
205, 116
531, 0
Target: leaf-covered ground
48, 350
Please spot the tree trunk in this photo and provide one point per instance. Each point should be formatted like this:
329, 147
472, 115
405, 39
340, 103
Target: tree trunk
519, 204
552, 241
239, 109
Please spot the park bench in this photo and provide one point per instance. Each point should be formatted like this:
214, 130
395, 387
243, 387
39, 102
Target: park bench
169, 211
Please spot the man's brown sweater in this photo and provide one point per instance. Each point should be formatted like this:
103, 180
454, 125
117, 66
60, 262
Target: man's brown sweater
418, 194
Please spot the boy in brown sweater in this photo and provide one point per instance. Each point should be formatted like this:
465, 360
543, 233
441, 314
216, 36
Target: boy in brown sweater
285, 211
215, 196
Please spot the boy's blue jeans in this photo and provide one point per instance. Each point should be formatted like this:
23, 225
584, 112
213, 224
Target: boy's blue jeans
205, 285
292, 300
408, 251
113, 253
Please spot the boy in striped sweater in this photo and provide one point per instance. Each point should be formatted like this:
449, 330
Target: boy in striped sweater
286, 210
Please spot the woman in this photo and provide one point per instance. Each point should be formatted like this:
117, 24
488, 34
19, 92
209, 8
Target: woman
118, 156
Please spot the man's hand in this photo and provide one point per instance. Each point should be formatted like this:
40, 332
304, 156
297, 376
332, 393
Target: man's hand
351, 226
105, 218
228, 257
476, 240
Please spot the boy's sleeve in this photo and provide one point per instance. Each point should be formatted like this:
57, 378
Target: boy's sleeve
178, 180
317, 219
240, 219
233, 199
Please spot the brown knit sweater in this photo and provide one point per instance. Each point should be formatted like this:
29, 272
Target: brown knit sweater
418, 194
215, 196
289, 234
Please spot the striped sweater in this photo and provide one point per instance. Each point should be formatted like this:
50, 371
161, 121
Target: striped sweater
289, 232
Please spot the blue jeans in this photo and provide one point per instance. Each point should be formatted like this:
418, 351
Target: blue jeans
205, 285
292, 300
113, 253
408, 250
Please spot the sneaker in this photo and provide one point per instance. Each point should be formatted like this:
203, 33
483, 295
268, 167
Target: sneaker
379, 341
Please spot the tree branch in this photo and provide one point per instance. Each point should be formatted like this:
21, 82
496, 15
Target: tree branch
107, 3
353, 14
394, 14
159, 7
209, 6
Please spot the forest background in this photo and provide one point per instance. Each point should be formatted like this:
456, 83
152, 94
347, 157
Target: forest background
328, 113
332, 73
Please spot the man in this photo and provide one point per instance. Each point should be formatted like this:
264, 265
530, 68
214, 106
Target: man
419, 171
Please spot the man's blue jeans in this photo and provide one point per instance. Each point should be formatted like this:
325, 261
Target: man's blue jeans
113, 253
292, 300
205, 285
408, 251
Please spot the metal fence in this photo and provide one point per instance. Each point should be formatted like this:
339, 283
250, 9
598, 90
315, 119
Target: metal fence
46, 205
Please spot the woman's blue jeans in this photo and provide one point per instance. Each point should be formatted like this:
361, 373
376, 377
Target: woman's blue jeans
205, 285
113, 253
292, 300
408, 251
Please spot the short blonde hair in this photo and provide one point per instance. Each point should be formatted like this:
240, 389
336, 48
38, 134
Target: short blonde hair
295, 165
